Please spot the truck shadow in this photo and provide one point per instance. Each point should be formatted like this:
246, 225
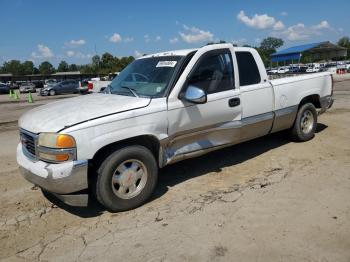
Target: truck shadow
180, 172
216, 161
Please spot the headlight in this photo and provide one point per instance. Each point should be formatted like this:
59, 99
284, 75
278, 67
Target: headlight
54, 147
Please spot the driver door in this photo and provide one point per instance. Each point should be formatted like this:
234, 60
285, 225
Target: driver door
63, 87
201, 127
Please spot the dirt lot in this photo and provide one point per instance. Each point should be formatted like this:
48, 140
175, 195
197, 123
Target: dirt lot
266, 200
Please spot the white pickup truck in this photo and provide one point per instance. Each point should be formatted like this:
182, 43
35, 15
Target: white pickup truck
95, 85
162, 108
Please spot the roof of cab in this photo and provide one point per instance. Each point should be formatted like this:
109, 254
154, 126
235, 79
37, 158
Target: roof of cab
182, 52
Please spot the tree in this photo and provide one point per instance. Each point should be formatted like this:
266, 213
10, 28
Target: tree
87, 69
28, 68
107, 59
271, 44
345, 42
95, 64
14, 67
99, 65
62, 67
267, 47
124, 61
36, 71
73, 67
45, 68
108, 62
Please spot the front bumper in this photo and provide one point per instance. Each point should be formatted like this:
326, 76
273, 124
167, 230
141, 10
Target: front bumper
63, 180
44, 93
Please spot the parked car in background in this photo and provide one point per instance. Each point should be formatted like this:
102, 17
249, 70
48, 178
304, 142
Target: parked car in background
49, 82
4, 88
331, 67
27, 87
283, 70
12, 85
293, 69
64, 87
313, 68
83, 86
272, 71
38, 83
347, 65
302, 69
96, 85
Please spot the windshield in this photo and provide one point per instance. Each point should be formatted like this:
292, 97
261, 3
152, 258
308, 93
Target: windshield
146, 77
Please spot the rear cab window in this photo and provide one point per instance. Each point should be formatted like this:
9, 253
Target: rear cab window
247, 68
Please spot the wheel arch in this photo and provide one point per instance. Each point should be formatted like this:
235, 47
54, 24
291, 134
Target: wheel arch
313, 99
149, 141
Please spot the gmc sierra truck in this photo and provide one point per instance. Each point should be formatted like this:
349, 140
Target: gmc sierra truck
162, 108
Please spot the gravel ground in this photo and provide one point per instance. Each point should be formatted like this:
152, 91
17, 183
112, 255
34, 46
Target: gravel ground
265, 200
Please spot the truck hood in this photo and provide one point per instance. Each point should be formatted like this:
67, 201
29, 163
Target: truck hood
58, 115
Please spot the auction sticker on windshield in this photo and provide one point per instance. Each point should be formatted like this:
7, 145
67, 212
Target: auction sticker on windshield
166, 63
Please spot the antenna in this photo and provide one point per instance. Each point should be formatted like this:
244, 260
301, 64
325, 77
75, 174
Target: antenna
95, 50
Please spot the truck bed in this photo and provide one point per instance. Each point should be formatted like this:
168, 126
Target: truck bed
290, 90
280, 79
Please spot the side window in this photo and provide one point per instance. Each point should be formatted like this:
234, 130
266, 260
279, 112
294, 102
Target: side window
214, 73
248, 70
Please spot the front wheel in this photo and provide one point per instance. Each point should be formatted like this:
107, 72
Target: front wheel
126, 178
52, 92
305, 123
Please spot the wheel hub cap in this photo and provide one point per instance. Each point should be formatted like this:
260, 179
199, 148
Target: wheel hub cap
307, 122
129, 179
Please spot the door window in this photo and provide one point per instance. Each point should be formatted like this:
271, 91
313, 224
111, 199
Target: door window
214, 73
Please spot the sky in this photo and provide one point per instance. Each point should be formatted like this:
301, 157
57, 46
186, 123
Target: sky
75, 30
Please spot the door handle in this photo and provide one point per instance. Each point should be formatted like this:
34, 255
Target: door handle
234, 102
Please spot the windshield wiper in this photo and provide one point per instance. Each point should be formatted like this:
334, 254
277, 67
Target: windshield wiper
131, 90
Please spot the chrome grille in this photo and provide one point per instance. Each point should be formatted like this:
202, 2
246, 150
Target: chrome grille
28, 141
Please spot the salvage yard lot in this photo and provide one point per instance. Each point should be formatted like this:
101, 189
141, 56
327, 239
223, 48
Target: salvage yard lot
268, 199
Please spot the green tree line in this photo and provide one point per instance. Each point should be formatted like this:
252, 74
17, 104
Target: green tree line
103, 65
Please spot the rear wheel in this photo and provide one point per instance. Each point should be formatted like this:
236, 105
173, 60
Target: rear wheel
305, 123
126, 178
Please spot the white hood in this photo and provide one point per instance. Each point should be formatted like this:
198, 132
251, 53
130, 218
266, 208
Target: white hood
58, 115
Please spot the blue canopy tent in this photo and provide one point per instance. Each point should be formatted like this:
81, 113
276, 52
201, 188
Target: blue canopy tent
292, 53
321, 50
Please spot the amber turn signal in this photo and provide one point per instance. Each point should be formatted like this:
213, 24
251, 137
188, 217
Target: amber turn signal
65, 141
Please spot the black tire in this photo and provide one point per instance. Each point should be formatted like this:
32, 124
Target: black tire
304, 134
103, 186
52, 92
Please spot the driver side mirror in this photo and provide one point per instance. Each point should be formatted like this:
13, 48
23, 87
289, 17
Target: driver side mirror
195, 95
